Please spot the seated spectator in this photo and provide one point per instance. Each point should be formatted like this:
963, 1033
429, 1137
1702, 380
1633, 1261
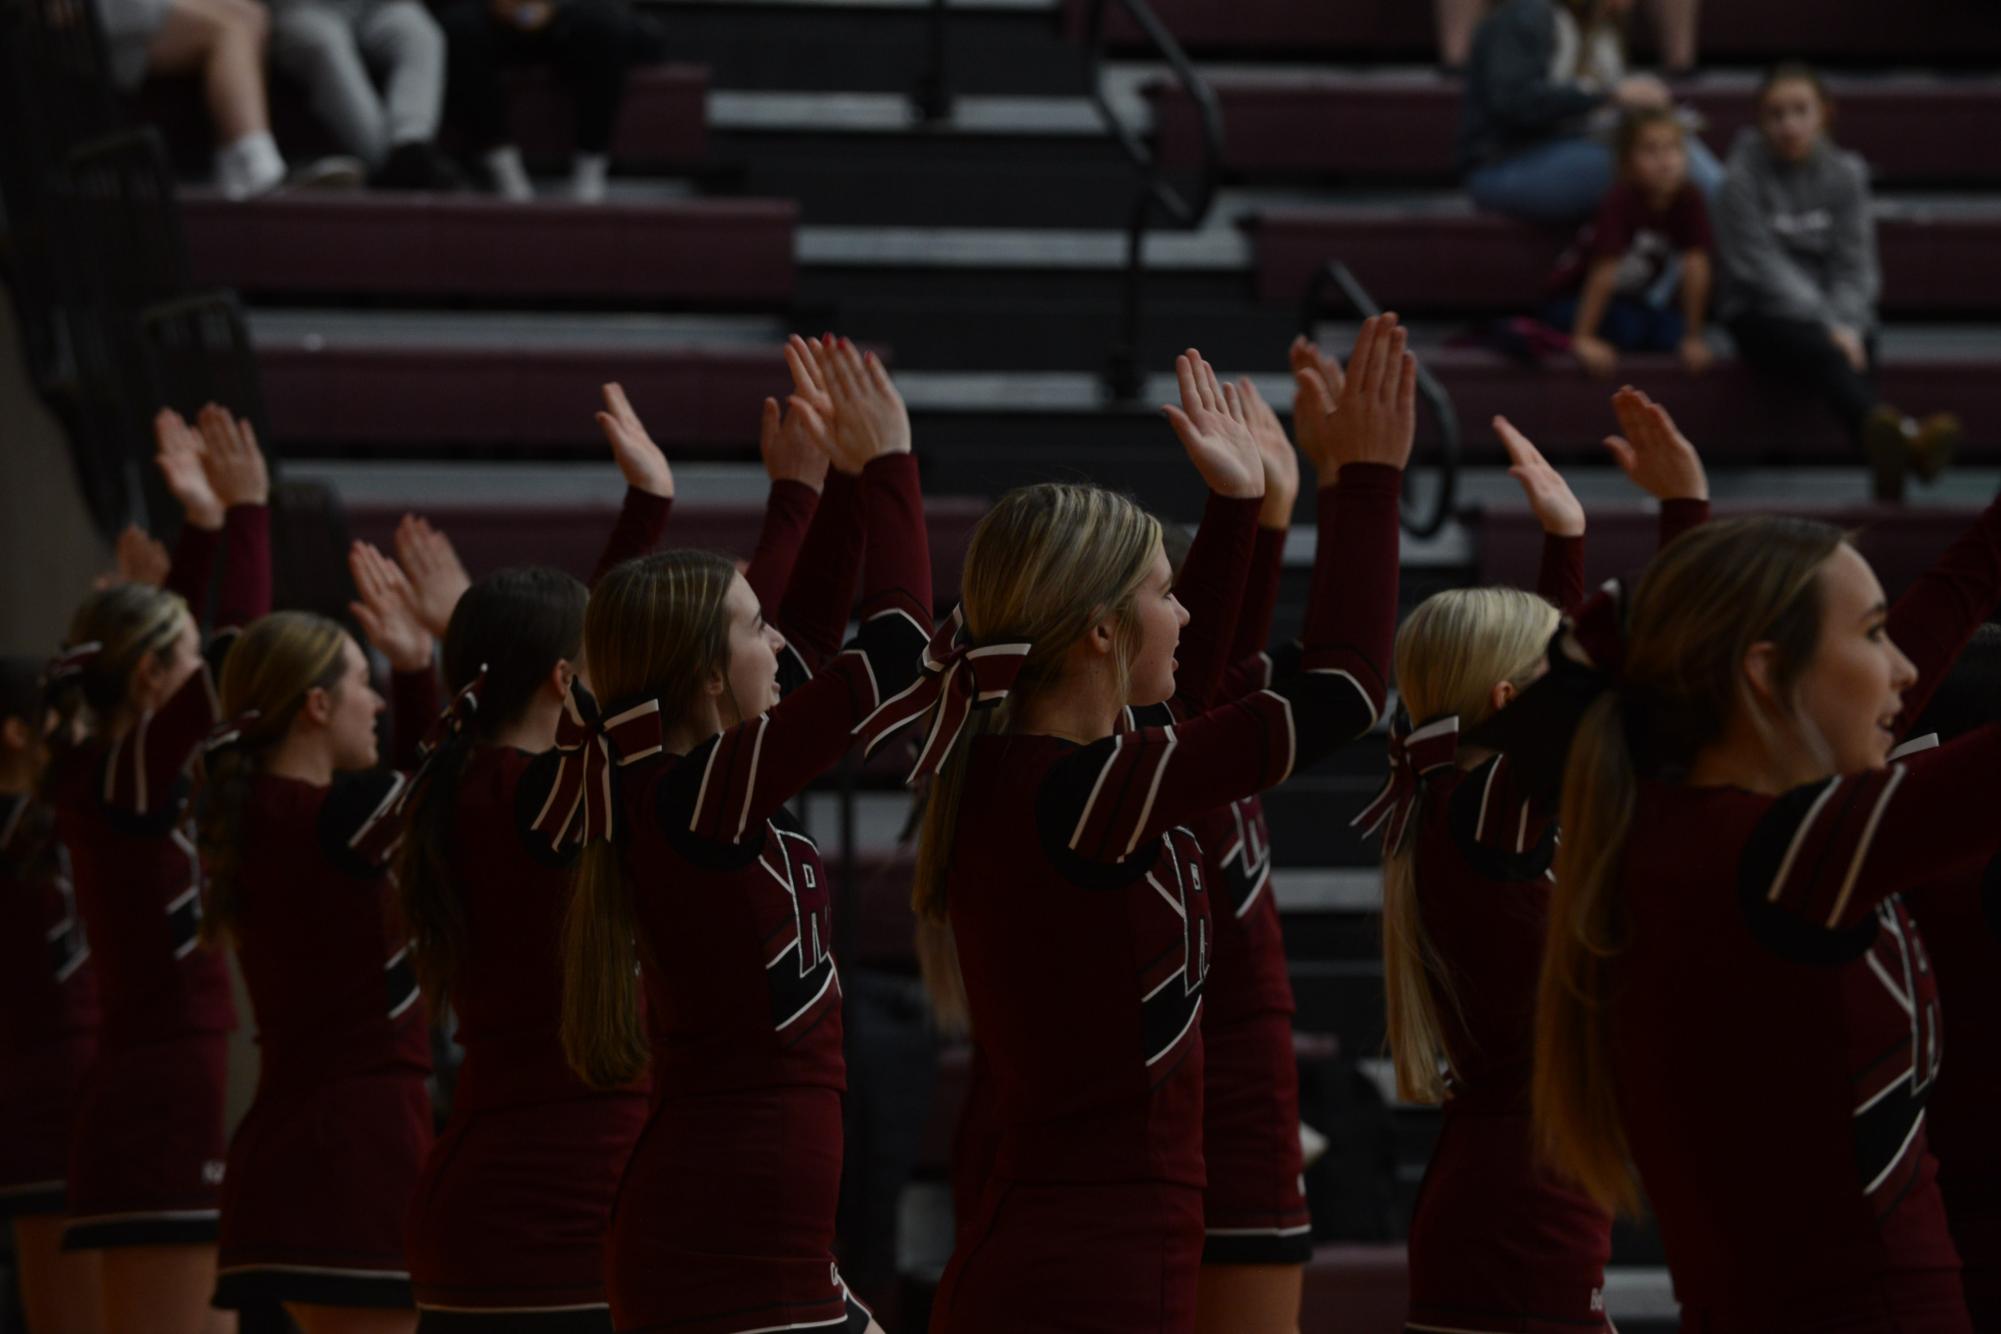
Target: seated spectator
1615, 289
1546, 82
1796, 233
1675, 24
589, 43
222, 43
332, 46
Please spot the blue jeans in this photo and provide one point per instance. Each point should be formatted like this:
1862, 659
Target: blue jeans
1629, 325
1563, 180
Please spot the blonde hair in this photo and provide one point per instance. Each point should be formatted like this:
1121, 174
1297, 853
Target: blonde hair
1706, 600
270, 668
1450, 654
129, 622
655, 629
1045, 565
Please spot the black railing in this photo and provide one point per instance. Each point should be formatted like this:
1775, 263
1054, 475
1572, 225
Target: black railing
932, 95
1334, 276
1154, 193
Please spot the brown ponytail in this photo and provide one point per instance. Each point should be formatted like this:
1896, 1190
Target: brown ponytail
1706, 600
655, 628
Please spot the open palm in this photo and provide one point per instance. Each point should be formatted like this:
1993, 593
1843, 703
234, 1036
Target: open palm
1215, 429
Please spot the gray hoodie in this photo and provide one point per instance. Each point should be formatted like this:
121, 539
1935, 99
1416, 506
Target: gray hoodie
1797, 240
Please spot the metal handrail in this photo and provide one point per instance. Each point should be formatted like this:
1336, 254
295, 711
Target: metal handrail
1336, 276
1122, 371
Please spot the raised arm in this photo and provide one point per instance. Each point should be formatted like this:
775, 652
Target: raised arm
1940, 611
1113, 797
1560, 580
1657, 458
649, 483
728, 787
796, 445
178, 455
237, 472
1281, 469
1214, 429
386, 607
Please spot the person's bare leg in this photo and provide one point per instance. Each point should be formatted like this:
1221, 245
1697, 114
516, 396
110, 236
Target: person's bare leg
62, 1291
350, 1320
1456, 21
1677, 25
224, 41
162, 1290
1248, 1299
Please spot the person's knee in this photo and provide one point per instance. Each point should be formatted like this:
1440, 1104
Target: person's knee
310, 40
414, 36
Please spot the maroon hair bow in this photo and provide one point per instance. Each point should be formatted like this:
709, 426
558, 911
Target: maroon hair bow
1415, 755
956, 677
582, 804
74, 660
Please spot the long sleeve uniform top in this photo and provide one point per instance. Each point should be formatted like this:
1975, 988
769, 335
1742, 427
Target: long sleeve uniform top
1775, 1016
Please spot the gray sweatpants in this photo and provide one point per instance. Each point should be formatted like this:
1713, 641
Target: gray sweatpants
331, 46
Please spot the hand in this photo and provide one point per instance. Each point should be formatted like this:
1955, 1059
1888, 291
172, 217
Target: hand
1316, 389
798, 443
437, 577
1215, 430
1376, 420
178, 454
1851, 345
387, 609
141, 560
1275, 451
1641, 92
1696, 354
1656, 455
1550, 498
639, 459
1595, 355
230, 457
869, 418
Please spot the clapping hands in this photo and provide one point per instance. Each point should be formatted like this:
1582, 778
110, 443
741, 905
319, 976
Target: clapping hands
1550, 498
641, 461
387, 609
1653, 452
1215, 429
437, 577
869, 418
1375, 418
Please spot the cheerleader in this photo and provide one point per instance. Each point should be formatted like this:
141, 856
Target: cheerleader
1962, 927
1079, 906
133, 702
48, 1023
724, 1220
510, 1214
1736, 1011
1495, 1244
296, 821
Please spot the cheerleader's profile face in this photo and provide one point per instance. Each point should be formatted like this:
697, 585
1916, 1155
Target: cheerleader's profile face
1160, 617
1851, 693
351, 709
754, 645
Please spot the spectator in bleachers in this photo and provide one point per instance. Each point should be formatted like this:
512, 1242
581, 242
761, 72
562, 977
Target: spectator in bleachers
1546, 82
333, 46
1797, 236
1675, 24
1616, 289
589, 44
222, 43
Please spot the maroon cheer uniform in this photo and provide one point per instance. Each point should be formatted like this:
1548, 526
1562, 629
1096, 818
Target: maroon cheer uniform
48, 1010
1497, 1244
1962, 930
724, 1221
508, 1225
324, 1164
146, 1157
1084, 929
1775, 1021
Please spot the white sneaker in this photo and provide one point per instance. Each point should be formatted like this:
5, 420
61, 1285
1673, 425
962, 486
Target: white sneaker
249, 167
587, 178
329, 173
510, 177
